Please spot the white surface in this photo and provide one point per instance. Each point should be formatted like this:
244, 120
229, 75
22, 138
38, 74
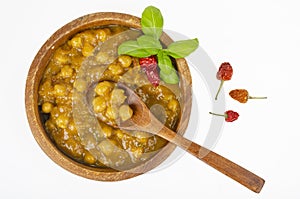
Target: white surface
259, 38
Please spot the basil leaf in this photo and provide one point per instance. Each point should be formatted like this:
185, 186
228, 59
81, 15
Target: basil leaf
149, 44
183, 48
171, 78
164, 63
132, 48
152, 22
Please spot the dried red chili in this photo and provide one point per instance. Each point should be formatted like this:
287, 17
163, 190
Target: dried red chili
229, 115
242, 95
149, 65
224, 74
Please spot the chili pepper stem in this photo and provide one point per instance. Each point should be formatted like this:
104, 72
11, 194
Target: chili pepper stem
223, 115
221, 84
250, 97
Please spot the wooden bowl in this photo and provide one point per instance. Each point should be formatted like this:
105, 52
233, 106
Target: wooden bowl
31, 98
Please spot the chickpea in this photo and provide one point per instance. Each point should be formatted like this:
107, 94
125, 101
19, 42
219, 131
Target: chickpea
87, 49
61, 57
46, 86
111, 113
53, 68
107, 31
50, 125
125, 112
99, 104
101, 35
66, 71
89, 38
125, 60
173, 105
47, 107
115, 69
89, 158
103, 88
62, 121
76, 42
118, 97
60, 90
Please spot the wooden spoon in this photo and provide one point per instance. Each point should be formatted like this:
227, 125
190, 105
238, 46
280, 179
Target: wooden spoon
143, 120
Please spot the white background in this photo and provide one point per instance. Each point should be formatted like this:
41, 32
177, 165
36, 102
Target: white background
261, 39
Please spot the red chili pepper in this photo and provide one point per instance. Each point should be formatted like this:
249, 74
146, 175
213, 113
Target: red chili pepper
149, 65
229, 115
224, 74
242, 95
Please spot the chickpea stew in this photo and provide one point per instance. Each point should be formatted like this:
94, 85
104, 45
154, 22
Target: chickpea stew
85, 133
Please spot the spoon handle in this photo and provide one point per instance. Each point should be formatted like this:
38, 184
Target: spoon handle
225, 166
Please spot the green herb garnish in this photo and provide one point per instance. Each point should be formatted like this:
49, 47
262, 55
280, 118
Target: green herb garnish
149, 44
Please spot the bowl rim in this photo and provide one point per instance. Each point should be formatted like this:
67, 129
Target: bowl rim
34, 77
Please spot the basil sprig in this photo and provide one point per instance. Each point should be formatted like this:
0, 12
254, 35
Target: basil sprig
149, 44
